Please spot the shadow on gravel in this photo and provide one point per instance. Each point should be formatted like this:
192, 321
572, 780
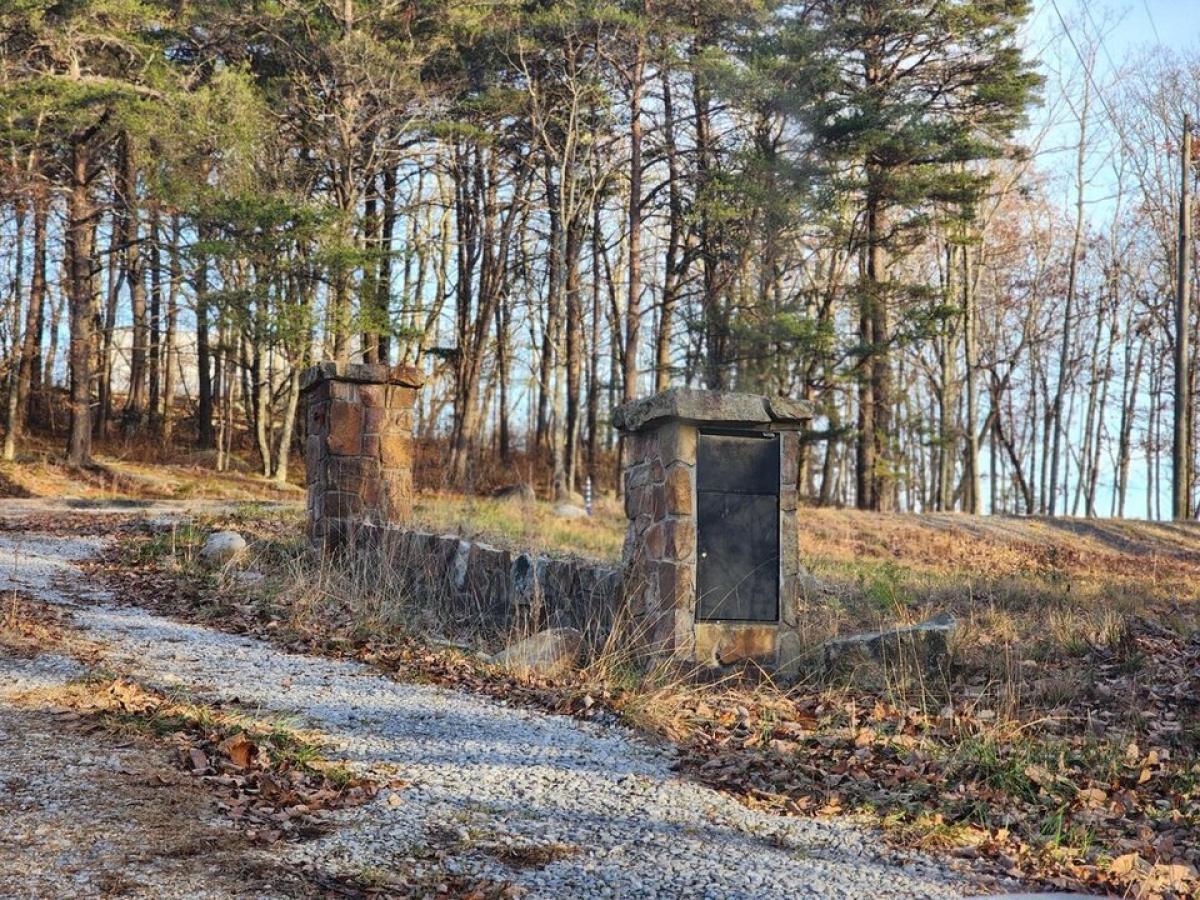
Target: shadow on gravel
476, 743
812, 841
118, 503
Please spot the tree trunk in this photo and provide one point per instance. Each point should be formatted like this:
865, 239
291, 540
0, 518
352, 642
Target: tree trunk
593, 402
971, 342
470, 215
107, 327
864, 446
383, 301
79, 256
368, 288
339, 319
633, 313
675, 235
551, 326
284, 444
882, 475
715, 335
558, 288
172, 350
260, 387
30, 384
1064, 362
12, 410
948, 399
205, 436
57, 310
502, 366
1181, 455
156, 304
1128, 409
135, 403
575, 350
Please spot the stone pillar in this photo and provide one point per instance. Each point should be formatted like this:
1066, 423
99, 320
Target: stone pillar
358, 454
660, 558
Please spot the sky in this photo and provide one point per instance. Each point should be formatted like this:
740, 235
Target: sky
1129, 28
1138, 23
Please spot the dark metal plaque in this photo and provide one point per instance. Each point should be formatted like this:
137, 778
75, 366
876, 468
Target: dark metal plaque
737, 509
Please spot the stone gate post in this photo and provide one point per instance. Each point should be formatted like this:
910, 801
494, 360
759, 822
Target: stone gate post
358, 456
711, 557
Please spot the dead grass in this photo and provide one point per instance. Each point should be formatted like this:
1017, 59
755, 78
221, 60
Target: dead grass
524, 526
1078, 550
139, 470
1042, 605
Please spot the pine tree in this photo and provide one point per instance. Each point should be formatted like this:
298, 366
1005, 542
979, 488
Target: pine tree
898, 95
80, 76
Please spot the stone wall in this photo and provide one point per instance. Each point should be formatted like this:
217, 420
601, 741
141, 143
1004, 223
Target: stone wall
358, 451
475, 585
359, 475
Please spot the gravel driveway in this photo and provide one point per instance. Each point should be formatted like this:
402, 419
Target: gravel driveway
556, 807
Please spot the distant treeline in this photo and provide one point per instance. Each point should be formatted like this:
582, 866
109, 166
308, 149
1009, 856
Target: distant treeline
552, 207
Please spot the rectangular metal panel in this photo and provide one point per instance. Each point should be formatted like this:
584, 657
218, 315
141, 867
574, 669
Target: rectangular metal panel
737, 575
738, 463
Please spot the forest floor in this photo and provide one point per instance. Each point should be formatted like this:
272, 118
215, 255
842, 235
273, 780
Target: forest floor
138, 471
1060, 747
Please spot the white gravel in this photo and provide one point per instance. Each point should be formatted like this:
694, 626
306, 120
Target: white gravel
483, 776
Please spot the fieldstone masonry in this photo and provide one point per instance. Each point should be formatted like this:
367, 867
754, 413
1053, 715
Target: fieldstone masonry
660, 553
359, 450
482, 586
359, 475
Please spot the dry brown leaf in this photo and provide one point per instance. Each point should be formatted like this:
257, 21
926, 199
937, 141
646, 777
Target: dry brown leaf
1092, 797
240, 749
1039, 775
1127, 864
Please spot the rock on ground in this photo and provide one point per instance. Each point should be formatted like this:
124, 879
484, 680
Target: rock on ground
550, 651
925, 644
223, 547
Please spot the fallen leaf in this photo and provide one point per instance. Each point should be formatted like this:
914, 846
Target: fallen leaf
1126, 864
1039, 775
240, 749
864, 738
1092, 797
